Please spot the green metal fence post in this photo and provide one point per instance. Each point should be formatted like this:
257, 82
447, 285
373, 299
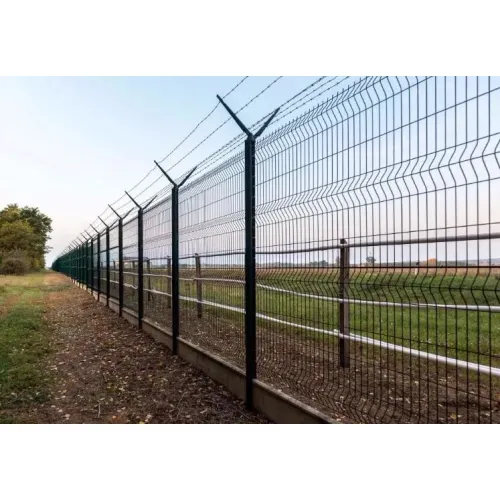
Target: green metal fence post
250, 249
175, 255
107, 262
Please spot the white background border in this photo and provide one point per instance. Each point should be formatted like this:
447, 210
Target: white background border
259, 38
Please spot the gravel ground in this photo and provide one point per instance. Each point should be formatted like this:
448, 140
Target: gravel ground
106, 371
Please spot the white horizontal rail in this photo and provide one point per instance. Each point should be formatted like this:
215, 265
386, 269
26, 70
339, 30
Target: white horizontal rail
479, 368
485, 369
223, 280
213, 304
415, 305
167, 276
462, 307
157, 292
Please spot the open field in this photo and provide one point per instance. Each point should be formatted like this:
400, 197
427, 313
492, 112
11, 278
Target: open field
304, 297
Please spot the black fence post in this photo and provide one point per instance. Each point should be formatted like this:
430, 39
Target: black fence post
250, 249
84, 263
108, 275
175, 268
120, 266
91, 264
250, 271
79, 262
175, 255
140, 270
71, 263
75, 262
98, 262
140, 251
169, 282
199, 290
90, 271
148, 268
120, 258
344, 347
107, 262
73, 258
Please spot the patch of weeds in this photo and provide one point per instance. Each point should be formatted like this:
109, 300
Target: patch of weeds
24, 345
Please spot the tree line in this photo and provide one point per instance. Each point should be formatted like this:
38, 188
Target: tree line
24, 233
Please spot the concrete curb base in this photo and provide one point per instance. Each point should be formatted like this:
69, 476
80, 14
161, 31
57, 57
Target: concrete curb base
275, 405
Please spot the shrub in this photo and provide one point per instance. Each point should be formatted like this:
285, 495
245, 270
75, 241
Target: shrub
13, 266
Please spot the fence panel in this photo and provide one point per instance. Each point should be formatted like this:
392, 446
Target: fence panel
394, 169
377, 253
157, 264
130, 263
102, 263
95, 265
211, 232
114, 263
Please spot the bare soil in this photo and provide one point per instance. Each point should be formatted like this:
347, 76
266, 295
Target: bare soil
106, 371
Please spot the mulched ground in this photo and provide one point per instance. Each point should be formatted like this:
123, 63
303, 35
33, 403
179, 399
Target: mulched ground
106, 371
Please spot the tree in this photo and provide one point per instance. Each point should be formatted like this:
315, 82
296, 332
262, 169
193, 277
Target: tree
16, 236
321, 263
371, 260
42, 227
24, 233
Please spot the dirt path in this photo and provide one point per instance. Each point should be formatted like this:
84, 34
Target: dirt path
106, 371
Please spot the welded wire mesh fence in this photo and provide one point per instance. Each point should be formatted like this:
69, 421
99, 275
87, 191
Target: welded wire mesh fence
130, 265
114, 263
157, 264
349, 258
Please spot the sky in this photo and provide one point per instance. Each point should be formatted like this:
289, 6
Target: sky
71, 145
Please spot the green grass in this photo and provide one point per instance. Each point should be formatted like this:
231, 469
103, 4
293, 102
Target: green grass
468, 335
24, 345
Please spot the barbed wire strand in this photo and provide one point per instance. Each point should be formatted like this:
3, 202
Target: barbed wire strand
202, 121
219, 152
217, 155
224, 123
